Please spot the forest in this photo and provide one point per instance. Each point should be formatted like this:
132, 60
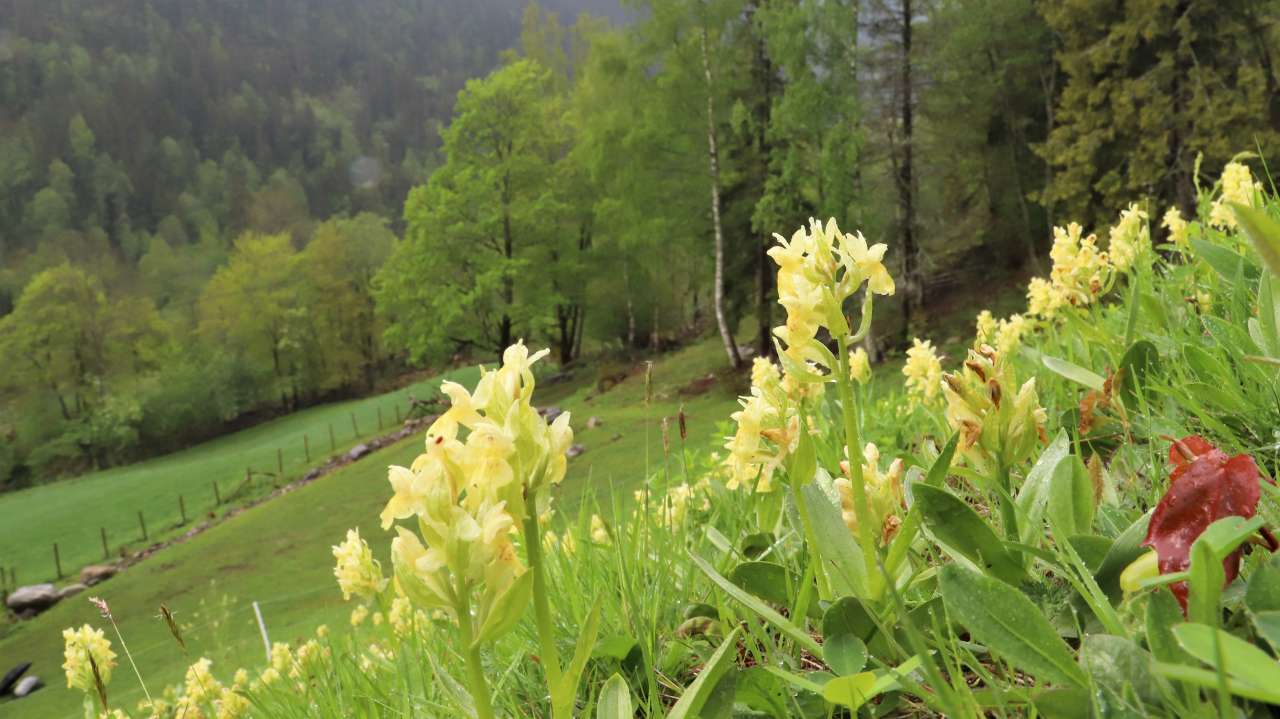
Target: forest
211, 216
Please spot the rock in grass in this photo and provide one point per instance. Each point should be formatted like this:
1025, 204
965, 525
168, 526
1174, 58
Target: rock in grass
27, 686
594, 422
95, 573
33, 599
11, 678
71, 590
574, 451
358, 451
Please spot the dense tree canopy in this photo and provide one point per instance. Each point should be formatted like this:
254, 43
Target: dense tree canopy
213, 209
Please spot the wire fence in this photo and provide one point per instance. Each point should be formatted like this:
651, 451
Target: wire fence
164, 519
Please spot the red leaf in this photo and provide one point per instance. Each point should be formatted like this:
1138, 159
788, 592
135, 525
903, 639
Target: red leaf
1202, 490
1192, 444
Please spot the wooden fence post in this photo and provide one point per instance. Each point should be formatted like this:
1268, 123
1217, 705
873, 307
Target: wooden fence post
379, 419
397, 406
57, 560
355, 429
217, 495
332, 445
306, 448
182, 509
142, 523
279, 462
106, 551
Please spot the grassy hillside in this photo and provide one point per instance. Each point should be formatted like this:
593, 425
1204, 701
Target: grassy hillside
72, 512
277, 553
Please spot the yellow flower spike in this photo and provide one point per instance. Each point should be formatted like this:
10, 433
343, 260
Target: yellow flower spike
1177, 227
200, 684
409, 493
859, 366
600, 532
1239, 187
1130, 238
884, 494
1009, 333
923, 371
358, 573
996, 429
231, 705
984, 328
867, 263
81, 644
358, 615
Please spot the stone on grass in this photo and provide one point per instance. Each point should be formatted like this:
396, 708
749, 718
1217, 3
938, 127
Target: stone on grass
95, 573
594, 422
358, 451
71, 590
574, 450
33, 599
27, 686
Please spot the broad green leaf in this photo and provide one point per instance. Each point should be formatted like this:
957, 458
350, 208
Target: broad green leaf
1033, 497
1119, 664
1163, 614
1226, 263
719, 704
1074, 372
565, 691
1209, 680
1263, 600
696, 694
1064, 703
1268, 320
755, 604
1205, 578
1011, 625
766, 580
506, 611
851, 691
855, 690
847, 615
938, 470
615, 700
1139, 360
1241, 661
840, 553
1070, 507
1126, 548
1263, 231
958, 529
761, 691
846, 654
1091, 548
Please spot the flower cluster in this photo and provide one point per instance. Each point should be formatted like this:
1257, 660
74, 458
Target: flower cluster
884, 494
768, 430
467, 492
818, 270
357, 571
1239, 187
1178, 228
994, 426
923, 370
85, 649
1006, 334
1129, 238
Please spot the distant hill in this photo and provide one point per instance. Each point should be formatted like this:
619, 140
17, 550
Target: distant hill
120, 119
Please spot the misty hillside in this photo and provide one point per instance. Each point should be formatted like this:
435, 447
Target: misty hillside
123, 118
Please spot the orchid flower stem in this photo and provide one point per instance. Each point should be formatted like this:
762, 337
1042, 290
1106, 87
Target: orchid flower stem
476, 683
541, 604
853, 445
810, 540
1008, 514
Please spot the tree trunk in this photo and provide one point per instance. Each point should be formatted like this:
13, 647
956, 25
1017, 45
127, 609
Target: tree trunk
508, 284
631, 310
713, 156
913, 297
1016, 139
